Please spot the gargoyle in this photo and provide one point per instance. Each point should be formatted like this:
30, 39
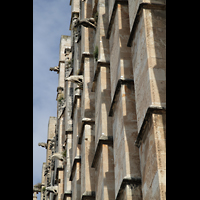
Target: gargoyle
42, 144
55, 69
38, 185
57, 155
36, 190
86, 22
78, 79
53, 189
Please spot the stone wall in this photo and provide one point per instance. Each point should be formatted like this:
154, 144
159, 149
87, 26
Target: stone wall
111, 131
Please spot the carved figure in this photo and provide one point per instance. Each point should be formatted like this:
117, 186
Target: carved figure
53, 189
78, 79
42, 144
52, 165
57, 155
47, 168
61, 107
67, 51
55, 69
52, 143
86, 22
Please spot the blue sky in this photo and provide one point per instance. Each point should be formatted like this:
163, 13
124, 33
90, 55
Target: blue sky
51, 19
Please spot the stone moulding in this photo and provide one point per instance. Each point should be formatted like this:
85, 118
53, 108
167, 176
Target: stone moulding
113, 16
60, 61
66, 194
69, 131
117, 89
59, 168
76, 160
135, 181
99, 64
84, 122
88, 195
102, 140
151, 110
84, 55
139, 11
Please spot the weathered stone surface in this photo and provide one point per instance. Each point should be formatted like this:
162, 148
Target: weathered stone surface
109, 136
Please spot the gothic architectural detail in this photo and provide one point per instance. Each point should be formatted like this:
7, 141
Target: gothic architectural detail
78, 79
58, 156
87, 22
53, 189
61, 107
42, 144
55, 69
108, 139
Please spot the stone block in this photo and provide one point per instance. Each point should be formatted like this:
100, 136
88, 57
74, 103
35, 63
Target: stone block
153, 159
148, 59
104, 173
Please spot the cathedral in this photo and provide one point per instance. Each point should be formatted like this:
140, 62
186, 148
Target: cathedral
108, 140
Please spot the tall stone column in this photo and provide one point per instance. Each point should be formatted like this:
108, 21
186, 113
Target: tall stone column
103, 160
122, 109
148, 44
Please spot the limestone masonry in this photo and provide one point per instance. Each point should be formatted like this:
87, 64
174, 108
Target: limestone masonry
108, 141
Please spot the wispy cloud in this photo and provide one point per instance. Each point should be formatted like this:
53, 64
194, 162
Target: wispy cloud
51, 19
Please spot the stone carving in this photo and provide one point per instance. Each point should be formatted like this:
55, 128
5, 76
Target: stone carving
37, 187
77, 34
47, 168
48, 180
86, 22
42, 144
61, 107
68, 63
78, 79
52, 164
53, 189
55, 69
67, 51
36, 190
52, 143
58, 156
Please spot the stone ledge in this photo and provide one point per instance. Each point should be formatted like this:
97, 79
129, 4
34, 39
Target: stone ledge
151, 110
88, 195
83, 56
76, 159
113, 16
117, 89
102, 140
69, 131
139, 11
127, 180
84, 122
59, 168
99, 64
66, 194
